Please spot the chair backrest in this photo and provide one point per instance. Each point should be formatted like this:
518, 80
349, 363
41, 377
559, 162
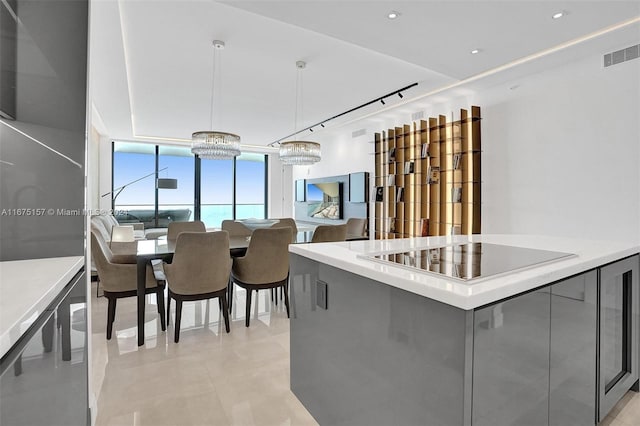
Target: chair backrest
116, 272
201, 263
267, 257
235, 229
356, 226
329, 233
99, 227
175, 228
290, 223
122, 234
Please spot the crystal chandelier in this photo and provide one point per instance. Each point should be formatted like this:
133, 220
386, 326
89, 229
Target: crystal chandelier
296, 153
210, 144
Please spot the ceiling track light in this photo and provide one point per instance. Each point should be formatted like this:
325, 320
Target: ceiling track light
400, 95
376, 100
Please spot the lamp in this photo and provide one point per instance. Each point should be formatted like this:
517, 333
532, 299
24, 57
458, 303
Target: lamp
161, 183
299, 152
211, 144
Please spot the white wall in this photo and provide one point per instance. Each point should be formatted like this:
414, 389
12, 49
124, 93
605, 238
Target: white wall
560, 152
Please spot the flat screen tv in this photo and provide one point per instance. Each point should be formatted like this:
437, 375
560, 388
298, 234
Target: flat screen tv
324, 200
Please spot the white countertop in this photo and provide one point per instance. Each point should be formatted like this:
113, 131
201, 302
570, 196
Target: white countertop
27, 287
346, 256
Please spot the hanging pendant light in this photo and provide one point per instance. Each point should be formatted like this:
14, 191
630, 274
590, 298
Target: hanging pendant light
211, 144
297, 153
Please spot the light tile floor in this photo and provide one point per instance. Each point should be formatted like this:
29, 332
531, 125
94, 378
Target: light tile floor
211, 377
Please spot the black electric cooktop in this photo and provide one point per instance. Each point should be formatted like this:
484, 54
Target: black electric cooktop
470, 261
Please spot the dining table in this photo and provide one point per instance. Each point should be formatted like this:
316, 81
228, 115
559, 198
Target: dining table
163, 249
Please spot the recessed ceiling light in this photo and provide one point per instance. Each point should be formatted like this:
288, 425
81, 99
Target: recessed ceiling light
393, 14
558, 15
474, 51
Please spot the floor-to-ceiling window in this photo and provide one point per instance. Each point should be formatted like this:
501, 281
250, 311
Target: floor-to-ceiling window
134, 167
251, 184
176, 204
211, 190
216, 189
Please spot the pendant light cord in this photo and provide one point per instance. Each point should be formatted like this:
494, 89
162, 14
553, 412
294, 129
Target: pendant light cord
213, 85
295, 113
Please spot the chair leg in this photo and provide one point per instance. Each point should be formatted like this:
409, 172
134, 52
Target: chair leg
178, 317
230, 294
168, 307
225, 311
285, 290
274, 291
160, 302
246, 321
111, 314
97, 287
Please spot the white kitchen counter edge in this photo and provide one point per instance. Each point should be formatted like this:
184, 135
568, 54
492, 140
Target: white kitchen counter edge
27, 288
590, 254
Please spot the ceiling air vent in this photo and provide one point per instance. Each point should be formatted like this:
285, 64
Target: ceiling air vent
622, 55
358, 133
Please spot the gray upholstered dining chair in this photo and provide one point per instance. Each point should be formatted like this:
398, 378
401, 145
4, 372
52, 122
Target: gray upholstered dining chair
199, 270
356, 227
118, 275
264, 266
329, 233
235, 229
288, 222
175, 228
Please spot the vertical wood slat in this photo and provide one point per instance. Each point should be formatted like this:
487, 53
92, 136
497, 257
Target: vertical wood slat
449, 204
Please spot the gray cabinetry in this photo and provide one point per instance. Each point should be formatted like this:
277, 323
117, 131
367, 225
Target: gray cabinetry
534, 357
572, 379
511, 361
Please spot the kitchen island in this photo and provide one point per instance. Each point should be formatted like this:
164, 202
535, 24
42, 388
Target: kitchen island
392, 340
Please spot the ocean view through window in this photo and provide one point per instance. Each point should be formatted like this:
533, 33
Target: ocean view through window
228, 189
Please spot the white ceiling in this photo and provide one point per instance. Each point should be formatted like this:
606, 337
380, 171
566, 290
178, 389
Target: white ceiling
151, 61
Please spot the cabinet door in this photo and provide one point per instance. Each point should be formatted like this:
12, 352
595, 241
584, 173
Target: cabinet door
619, 324
572, 379
511, 361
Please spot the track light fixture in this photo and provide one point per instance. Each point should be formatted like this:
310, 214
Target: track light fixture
321, 123
311, 130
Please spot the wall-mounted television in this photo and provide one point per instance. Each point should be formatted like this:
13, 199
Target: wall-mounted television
324, 200
300, 190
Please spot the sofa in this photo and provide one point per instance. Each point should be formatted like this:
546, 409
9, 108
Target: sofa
147, 217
